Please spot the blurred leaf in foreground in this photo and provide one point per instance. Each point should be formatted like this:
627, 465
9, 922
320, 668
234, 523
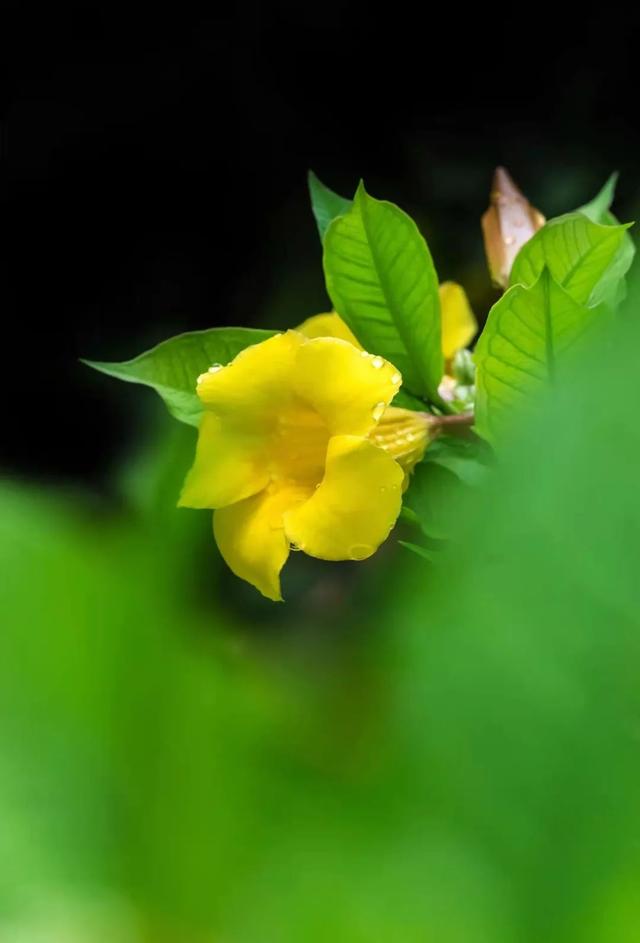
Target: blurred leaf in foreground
477, 783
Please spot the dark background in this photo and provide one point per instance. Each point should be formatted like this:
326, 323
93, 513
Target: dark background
156, 159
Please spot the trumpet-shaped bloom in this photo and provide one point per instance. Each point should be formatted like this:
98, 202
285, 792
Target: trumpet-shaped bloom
299, 448
287, 455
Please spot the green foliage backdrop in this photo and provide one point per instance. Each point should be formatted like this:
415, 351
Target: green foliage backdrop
167, 777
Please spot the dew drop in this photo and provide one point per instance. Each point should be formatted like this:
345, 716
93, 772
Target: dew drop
509, 240
377, 362
214, 368
363, 353
395, 379
378, 410
297, 547
201, 378
360, 551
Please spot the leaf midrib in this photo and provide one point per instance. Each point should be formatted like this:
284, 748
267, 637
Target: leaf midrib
576, 265
383, 286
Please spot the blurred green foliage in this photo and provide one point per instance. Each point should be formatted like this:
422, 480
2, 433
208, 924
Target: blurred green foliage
461, 767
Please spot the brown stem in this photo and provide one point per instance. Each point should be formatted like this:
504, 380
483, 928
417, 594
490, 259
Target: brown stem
459, 425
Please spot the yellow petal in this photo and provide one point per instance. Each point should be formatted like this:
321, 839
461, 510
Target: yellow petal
253, 387
347, 387
229, 466
354, 507
243, 402
459, 325
251, 537
328, 325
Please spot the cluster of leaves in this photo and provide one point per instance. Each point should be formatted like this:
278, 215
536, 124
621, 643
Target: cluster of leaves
567, 282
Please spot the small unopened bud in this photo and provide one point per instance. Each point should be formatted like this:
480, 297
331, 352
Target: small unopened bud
463, 368
509, 222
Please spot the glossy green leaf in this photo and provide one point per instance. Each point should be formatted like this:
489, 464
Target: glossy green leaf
326, 204
527, 337
172, 367
578, 254
598, 208
382, 281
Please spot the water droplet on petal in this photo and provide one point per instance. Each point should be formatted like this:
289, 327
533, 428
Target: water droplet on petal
378, 410
509, 240
377, 362
363, 353
395, 379
214, 368
360, 551
201, 378
297, 547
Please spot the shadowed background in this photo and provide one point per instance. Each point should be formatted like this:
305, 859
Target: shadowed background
156, 162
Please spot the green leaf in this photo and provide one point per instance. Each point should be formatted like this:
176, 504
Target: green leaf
442, 481
326, 204
527, 336
382, 281
423, 552
432, 496
172, 367
612, 289
578, 253
468, 459
598, 208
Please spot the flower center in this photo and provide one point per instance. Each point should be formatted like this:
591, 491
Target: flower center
299, 445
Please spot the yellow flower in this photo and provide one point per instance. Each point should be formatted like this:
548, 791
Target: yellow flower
459, 325
299, 447
287, 456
